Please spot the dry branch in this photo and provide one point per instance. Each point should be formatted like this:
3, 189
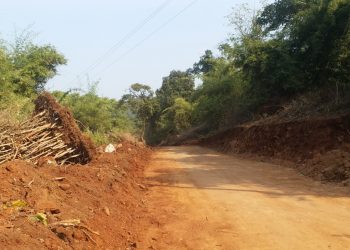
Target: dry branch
34, 138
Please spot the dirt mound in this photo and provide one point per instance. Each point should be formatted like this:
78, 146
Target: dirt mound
72, 135
296, 141
333, 166
76, 207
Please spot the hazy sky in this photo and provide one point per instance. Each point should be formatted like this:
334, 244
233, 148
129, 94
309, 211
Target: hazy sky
84, 30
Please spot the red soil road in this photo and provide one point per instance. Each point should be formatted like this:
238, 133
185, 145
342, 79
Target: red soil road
201, 199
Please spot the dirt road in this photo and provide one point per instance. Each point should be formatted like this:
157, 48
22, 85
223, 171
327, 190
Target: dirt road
200, 199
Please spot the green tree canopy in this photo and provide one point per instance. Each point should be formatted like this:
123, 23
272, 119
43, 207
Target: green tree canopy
205, 63
26, 67
177, 118
141, 102
94, 113
177, 84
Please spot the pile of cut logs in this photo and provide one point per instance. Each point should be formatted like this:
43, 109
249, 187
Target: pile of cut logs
33, 139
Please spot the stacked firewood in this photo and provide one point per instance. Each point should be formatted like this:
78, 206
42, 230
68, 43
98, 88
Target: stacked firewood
33, 139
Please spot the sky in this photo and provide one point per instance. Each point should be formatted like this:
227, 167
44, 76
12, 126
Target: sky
118, 43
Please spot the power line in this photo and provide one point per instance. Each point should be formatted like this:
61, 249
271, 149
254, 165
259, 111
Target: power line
148, 36
118, 44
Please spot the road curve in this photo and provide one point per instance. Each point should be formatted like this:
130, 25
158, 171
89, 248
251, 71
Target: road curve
200, 199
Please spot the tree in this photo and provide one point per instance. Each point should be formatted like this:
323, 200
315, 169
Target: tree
140, 100
34, 66
314, 35
220, 96
27, 67
280, 15
177, 84
178, 117
205, 63
94, 113
288, 48
24, 70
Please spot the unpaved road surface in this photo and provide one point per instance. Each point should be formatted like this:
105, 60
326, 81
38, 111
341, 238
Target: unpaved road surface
200, 199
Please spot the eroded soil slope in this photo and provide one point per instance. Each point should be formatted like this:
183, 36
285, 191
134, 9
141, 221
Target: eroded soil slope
103, 196
318, 147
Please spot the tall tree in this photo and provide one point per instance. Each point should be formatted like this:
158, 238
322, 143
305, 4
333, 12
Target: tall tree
140, 100
205, 63
177, 84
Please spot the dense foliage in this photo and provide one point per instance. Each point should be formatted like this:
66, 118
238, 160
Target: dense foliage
166, 112
100, 117
288, 48
24, 68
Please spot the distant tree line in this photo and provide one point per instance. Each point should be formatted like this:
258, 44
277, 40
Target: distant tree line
288, 48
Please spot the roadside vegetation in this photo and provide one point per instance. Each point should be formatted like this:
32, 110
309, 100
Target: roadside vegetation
288, 52
24, 68
103, 119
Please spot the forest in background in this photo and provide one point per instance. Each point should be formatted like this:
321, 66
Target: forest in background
287, 50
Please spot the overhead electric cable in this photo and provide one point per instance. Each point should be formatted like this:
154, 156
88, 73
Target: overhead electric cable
148, 36
118, 44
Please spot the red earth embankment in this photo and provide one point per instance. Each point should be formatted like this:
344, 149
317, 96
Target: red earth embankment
92, 206
319, 146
